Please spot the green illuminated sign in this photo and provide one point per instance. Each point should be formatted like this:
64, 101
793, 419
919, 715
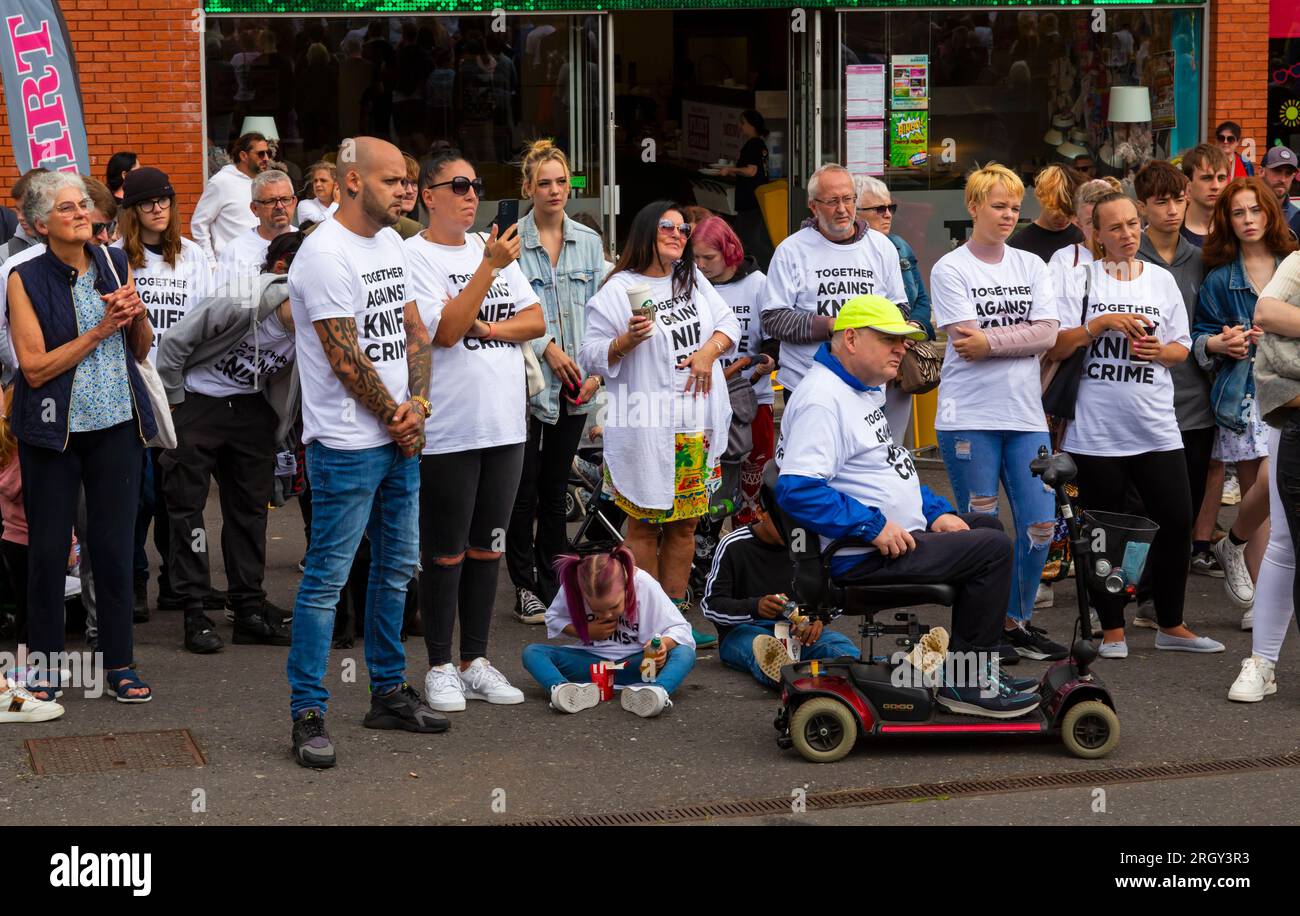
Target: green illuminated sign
347, 7
578, 182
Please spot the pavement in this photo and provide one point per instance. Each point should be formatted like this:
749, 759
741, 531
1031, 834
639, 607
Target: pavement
511, 763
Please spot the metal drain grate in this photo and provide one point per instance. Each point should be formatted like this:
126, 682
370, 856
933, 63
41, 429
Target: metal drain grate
109, 753
861, 798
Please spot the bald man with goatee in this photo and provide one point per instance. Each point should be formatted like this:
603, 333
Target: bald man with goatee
363, 361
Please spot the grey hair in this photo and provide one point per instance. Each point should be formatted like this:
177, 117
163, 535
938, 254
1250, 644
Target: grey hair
815, 180
270, 176
870, 184
43, 188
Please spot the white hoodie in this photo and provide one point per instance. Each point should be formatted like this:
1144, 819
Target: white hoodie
223, 211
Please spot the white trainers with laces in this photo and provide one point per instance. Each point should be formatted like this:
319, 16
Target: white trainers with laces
1254, 682
645, 700
1236, 577
443, 690
17, 705
480, 681
569, 697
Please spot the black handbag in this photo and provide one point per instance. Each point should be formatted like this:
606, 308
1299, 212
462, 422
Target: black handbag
1063, 390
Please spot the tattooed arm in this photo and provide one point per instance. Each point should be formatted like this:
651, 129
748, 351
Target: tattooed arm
338, 337
419, 351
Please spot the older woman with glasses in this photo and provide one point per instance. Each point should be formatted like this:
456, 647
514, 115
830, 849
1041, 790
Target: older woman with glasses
81, 415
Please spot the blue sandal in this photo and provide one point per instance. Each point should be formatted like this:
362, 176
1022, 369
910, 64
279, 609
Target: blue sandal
122, 681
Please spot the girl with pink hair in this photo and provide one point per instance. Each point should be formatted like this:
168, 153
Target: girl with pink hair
614, 610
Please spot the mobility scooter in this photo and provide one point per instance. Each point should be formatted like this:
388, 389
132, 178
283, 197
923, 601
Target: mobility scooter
826, 705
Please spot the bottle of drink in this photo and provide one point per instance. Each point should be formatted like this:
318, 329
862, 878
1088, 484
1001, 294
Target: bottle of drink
648, 670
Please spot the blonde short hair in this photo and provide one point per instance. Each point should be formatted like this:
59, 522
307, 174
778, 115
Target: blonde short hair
981, 182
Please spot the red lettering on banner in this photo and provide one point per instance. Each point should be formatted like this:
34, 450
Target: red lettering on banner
28, 42
58, 148
38, 91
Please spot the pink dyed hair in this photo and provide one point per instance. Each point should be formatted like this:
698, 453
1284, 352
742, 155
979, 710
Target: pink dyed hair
595, 576
715, 233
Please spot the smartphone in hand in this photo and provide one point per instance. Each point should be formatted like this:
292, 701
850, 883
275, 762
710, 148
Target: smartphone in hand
507, 215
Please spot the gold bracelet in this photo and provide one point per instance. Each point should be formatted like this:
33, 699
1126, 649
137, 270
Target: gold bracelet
721, 348
613, 345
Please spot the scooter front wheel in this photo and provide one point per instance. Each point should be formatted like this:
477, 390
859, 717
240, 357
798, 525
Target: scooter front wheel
823, 729
1090, 730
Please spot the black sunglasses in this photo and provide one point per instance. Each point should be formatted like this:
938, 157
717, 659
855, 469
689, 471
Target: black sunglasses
880, 210
1227, 138
97, 228
460, 185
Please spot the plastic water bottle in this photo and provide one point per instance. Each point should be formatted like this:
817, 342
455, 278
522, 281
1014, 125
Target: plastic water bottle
648, 670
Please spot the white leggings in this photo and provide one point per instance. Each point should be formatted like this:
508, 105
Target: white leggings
1273, 595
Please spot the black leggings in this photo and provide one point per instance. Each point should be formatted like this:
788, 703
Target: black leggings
15, 560
1161, 479
465, 501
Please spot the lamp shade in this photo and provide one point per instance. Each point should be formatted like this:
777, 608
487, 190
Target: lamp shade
1129, 105
260, 124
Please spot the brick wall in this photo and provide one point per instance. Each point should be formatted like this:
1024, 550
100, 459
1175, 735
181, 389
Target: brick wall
1237, 66
140, 84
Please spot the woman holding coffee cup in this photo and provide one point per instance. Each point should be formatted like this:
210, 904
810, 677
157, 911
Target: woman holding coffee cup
668, 411
1124, 429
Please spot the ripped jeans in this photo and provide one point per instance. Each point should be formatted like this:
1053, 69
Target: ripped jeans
976, 460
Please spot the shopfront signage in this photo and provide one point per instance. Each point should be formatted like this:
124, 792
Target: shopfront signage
433, 7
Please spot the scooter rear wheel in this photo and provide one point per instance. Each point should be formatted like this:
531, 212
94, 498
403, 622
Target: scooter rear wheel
1090, 730
823, 729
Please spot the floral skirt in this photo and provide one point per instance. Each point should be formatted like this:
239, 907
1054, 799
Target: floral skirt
1245, 446
693, 484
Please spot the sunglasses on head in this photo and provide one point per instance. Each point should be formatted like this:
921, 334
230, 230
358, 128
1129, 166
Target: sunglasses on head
1227, 138
880, 210
460, 185
682, 229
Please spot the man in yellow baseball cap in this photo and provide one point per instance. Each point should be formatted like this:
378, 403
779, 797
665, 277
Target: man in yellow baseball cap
879, 314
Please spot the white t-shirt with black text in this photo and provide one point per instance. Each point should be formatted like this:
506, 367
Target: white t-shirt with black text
745, 296
1123, 407
311, 210
169, 292
477, 387
836, 433
813, 274
339, 274
247, 365
655, 615
241, 262
991, 393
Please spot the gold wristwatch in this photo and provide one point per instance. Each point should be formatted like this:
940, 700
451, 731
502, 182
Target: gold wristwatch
424, 405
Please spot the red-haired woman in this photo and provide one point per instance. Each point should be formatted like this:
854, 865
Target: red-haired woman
1249, 237
615, 611
735, 275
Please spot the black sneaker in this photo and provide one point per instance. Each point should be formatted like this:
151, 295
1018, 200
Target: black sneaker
256, 629
311, 743
1007, 654
140, 606
1032, 642
528, 607
403, 709
1020, 684
996, 701
201, 635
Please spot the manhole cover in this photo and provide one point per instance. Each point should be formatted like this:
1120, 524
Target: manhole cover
108, 753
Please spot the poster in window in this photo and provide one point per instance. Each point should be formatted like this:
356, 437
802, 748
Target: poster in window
908, 139
909, 82
1160, 78
865, 146
864, 91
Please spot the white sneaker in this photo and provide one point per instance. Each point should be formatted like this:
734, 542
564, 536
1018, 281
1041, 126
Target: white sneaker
1044, 598
1231, 491
1145, 616
1248, 620
1255, 681
17, 705
568, 697
645, 700
443, 690
480, 681
1114, 649
1236, 577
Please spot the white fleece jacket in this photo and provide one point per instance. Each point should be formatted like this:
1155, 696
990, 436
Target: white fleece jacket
223, 211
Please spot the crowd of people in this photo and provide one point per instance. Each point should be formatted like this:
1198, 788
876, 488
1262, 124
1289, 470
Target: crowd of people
422, 389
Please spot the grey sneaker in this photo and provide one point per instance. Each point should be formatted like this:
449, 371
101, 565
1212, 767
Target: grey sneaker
1187, 644
1236, 579
1145, 616
311, 742
1204, 564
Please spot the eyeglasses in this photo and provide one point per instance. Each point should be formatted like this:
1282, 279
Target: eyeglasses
460, 185
837, 202
1227, 138
668, 226
276, 201
157, 203
881, 210
408, 183
98, 228
262, 153
72, 208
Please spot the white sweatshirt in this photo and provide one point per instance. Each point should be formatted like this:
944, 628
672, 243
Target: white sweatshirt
223, 211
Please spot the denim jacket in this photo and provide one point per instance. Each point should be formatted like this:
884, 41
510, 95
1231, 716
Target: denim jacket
918, 299
578, 273
1226, 299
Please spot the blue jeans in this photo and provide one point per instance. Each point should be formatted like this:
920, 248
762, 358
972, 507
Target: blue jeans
550, 665
738, 648
375, 491
976, 460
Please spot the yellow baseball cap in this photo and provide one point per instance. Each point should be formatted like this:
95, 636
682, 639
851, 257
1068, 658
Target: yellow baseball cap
877, 313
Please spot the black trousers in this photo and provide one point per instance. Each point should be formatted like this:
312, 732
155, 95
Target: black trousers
1161, 479
234, 437
15, 561
107, 463
1287, 464
978, 563
548, 457
1198, 445
152, 508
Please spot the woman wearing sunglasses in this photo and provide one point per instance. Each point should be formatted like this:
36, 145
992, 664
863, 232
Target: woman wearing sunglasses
668, 411
481, 310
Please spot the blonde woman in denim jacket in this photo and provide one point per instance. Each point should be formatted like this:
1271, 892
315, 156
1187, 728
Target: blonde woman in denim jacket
564, 262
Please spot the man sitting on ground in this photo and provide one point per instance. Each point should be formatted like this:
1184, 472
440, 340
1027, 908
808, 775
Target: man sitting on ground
843, 476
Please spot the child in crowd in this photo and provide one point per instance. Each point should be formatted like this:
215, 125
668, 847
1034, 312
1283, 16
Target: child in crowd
615, 611
744, 598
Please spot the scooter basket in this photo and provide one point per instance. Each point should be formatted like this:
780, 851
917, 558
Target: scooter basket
1117, 551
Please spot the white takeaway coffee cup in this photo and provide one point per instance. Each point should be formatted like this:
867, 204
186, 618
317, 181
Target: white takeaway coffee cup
641, 299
